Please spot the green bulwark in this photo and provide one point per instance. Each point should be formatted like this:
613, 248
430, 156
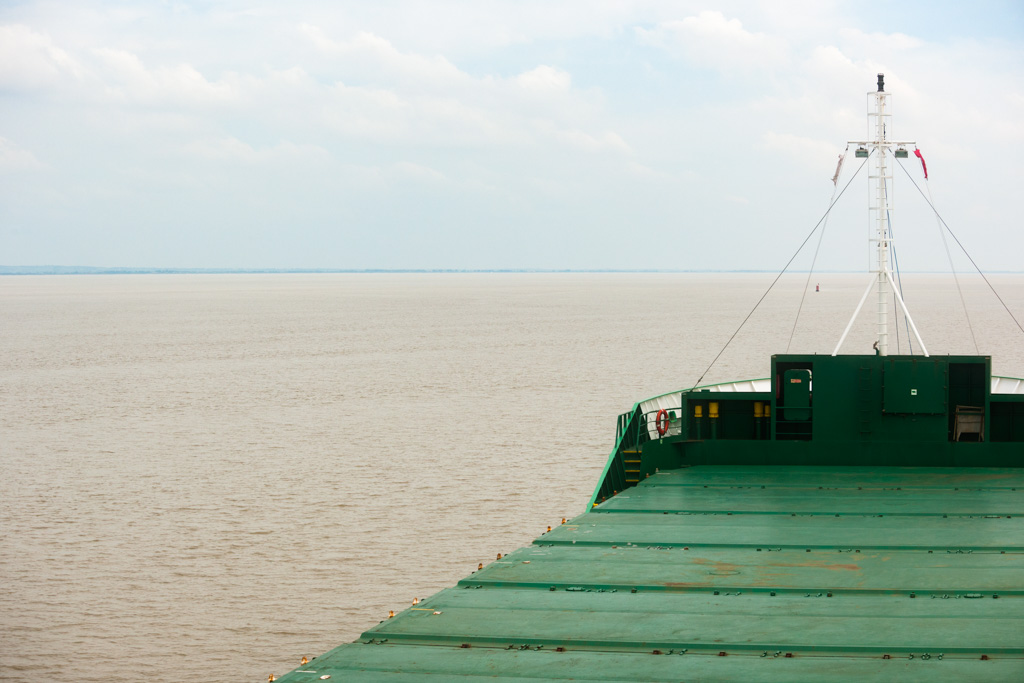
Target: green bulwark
865, 522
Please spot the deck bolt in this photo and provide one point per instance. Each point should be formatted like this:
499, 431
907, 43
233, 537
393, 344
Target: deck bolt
984, 658
773, 593
828, 595
886, 657
913, 595
789, 654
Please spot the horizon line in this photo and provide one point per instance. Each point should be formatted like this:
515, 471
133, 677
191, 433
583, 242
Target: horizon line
133, 270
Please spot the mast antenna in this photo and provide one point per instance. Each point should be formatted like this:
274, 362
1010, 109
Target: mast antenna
880, 207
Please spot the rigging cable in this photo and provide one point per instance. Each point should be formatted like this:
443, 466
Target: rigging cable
949, 257
899, 281
966, 253
781, 273
824, 227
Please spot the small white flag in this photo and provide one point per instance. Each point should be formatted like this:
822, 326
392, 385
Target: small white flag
839, 168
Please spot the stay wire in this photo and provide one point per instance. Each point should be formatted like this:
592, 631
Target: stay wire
899, 281
966, 253
781, 273
952, 268
810, 272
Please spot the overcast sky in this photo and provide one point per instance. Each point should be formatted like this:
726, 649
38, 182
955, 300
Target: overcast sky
592, 134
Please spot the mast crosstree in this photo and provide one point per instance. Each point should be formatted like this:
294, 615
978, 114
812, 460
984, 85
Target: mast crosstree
882, 149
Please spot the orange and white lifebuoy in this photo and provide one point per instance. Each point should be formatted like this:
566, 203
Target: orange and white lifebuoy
661, 422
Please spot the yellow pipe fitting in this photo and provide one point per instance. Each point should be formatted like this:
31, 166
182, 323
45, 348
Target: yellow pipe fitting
713, 410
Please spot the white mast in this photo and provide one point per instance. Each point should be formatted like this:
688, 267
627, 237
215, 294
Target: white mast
880, 204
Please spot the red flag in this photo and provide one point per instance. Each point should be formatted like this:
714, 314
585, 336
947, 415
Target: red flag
917, 153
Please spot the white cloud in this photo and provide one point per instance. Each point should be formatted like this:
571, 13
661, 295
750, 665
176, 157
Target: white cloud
420, 172
234, 150
29, 59
878, 43
14, 158
544, 79
575, 137
376, 59
813, 153
711, 40
126, 78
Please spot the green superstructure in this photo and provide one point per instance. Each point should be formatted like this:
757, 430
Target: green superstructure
909, 411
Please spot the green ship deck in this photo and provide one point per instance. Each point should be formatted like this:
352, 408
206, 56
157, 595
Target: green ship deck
783, 573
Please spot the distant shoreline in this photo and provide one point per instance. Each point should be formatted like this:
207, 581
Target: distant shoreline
93, 270
96, 270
